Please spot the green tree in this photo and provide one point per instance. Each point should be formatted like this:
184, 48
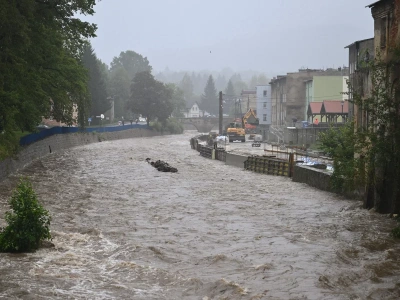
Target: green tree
186, 86
378, 138
41, 44
209, 99
262, 80
150, 97
229, 99
105, 74
132, 62
367, 158
339, 143
28, 222
177, 99
96, 83
238, 84
253, 82
230, 90
120, 90
220, 83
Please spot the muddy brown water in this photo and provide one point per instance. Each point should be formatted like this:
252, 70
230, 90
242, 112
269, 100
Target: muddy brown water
123, 230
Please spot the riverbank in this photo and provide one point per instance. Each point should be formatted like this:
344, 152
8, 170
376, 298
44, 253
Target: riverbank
58, 142
123, 230
270, 161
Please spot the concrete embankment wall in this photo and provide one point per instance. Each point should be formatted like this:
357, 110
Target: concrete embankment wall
64, 141
319, 179
235, 160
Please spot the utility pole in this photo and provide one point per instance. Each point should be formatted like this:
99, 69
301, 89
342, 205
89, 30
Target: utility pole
220, 113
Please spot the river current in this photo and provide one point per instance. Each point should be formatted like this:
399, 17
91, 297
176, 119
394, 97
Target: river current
123, 230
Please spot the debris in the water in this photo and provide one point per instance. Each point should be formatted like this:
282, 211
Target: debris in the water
162, 166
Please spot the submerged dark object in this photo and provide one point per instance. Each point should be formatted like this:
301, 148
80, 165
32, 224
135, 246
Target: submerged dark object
162, 166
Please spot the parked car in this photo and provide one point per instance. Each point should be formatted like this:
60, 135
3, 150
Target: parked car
42, 127
302, 124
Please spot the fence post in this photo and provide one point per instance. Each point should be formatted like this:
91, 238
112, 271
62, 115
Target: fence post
291, 164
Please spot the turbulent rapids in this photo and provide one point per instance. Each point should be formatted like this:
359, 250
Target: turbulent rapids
122, 230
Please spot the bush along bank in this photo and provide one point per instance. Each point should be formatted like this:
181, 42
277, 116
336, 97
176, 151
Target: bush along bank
172, 126
28, 222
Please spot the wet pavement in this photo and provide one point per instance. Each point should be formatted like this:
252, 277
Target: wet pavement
123, 230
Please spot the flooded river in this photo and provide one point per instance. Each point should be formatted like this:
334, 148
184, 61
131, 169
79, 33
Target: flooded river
123, 230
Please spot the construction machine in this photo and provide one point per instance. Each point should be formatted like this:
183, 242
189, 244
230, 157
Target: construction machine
235, 130
250, 121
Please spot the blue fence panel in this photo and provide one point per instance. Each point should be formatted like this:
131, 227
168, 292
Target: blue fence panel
44, 133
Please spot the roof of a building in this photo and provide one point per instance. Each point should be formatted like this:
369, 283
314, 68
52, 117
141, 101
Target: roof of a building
249, 92
328, 107
279, 77
373, 4
189, 105
360, 41
314, 108
335, 107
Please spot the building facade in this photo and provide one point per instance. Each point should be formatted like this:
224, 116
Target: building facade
321, 88
360, 54
264, 105
193, 111
386, 14
289, 93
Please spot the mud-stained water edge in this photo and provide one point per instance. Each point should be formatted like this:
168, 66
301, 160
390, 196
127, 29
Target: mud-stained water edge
123, 230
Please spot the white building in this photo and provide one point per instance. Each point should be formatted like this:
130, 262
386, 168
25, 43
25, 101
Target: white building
264, 109
264, 105
193, 111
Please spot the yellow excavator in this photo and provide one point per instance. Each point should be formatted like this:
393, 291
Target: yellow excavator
250, 121
236, 132
244, 124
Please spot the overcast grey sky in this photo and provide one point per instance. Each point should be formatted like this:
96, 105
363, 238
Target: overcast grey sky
262, 35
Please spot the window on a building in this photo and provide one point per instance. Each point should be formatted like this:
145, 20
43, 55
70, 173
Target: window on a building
264, 117
264, 104
265, 93
383, 32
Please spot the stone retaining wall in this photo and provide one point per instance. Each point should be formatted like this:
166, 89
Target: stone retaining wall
64, 141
